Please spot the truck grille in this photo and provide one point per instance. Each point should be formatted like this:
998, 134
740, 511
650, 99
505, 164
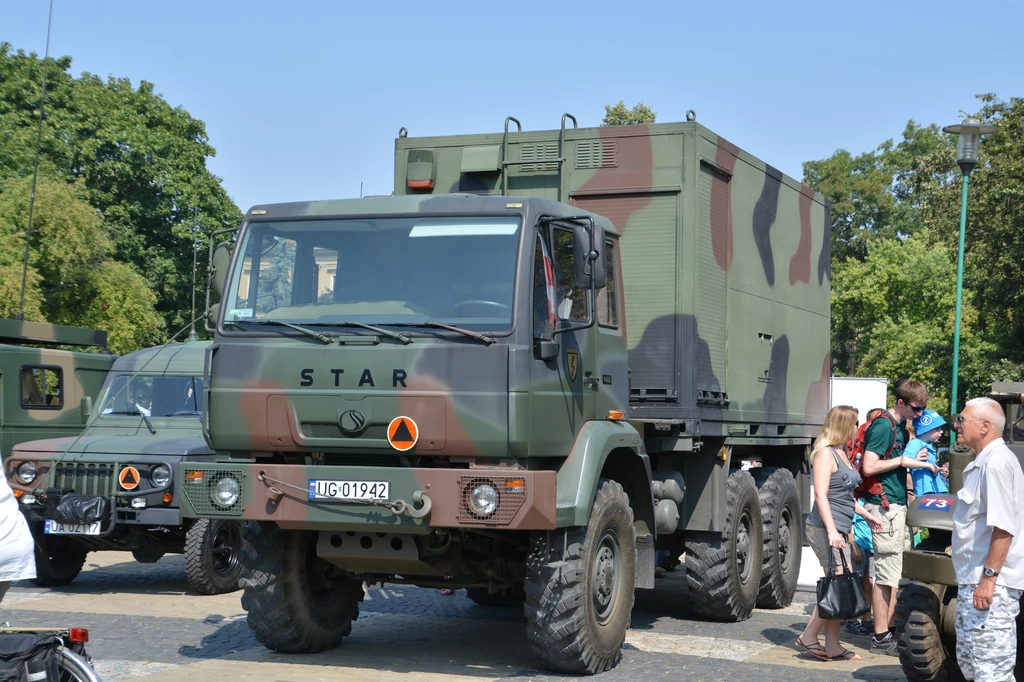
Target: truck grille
85, 479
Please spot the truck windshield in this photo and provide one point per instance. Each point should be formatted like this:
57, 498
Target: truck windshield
153, 396
458, 271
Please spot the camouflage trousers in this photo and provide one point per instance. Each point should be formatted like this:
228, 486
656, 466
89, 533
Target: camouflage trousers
986, 641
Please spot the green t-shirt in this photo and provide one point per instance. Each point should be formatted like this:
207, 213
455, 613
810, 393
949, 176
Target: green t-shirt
877, 440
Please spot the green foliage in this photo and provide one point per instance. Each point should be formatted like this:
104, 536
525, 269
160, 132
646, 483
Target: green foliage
72, 278
619, 115
895, 214
135, 159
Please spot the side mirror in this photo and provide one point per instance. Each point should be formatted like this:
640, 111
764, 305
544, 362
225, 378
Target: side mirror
220, 260
546, 350
86, 408
211, 319
590, 265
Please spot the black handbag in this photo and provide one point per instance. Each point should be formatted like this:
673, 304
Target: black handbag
840, 596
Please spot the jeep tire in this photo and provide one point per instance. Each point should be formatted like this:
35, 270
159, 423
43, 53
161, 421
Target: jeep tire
296, 602
212, 555
579, 587
513, 596
59, 560
925, 638
723, 570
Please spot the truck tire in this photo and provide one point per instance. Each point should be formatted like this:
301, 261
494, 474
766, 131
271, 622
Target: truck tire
514, 596
212, 549
58, 560
579, 587
925, 653
783, 536
296, 602
723, 570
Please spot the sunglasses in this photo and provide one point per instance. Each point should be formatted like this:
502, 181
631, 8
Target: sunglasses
915, 408
960, 420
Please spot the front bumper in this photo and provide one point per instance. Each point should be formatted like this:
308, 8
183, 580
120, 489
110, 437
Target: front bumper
167, 517
928, 567
279, 493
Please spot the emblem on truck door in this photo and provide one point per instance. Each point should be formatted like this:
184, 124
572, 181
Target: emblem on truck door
572, 362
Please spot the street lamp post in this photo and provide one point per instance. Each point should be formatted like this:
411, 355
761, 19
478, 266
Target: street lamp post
970, 132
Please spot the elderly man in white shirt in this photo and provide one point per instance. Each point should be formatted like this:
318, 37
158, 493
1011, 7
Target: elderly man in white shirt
988, 547
17, 550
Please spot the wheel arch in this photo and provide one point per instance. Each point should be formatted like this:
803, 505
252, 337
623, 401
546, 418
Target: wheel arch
604, 449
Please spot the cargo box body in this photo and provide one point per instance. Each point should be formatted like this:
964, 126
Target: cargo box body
725, 265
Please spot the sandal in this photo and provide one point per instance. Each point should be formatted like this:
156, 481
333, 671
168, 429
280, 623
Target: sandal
848, 655
815, 650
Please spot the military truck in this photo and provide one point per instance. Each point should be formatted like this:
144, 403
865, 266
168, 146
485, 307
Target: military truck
926, 606
112, 487
545, 362
46, 389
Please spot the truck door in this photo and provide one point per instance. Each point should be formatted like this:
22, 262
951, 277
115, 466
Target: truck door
559, 402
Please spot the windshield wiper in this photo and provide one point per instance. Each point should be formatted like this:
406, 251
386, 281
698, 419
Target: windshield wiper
404, 338
189, 413
136, 411
323, 338
486, 338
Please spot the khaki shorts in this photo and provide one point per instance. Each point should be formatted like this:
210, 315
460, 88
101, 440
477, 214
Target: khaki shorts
889, 542
817, 538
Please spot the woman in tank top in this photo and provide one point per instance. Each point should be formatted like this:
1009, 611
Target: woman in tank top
831, 518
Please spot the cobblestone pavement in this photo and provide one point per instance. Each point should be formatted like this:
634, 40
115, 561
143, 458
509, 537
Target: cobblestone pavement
145, 624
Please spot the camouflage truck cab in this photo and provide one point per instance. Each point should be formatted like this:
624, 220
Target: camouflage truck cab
512, 394
926, 606
46, 390
113, 488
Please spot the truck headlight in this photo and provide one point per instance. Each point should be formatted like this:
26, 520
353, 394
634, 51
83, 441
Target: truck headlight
483, 500
160, 475
225, 492
27, 472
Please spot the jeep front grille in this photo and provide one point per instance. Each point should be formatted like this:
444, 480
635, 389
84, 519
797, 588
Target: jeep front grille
85, 478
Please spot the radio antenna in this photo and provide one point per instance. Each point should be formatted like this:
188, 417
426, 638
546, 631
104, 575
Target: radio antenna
192, 336
35, 169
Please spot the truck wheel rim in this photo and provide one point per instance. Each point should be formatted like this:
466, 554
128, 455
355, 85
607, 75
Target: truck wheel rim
785, 538
225, 555
605, 576
743, 547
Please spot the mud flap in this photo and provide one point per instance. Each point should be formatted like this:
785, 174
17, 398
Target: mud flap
645, 557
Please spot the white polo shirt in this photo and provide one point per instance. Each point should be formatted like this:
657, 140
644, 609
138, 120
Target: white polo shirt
992, 497
17, 558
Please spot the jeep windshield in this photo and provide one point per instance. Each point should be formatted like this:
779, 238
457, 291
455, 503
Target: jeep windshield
379, 271
153, 396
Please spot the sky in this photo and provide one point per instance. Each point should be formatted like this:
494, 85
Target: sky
303, 100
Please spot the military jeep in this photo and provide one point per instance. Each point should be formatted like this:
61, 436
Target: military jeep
926, 606
113, 486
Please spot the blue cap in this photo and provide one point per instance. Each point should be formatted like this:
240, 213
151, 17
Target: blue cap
928, 421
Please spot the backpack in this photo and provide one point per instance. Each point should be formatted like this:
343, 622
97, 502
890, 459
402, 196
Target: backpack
870, 485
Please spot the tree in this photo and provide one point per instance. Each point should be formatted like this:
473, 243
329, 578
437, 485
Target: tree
619, 115
141, 161
893, 315
71, 278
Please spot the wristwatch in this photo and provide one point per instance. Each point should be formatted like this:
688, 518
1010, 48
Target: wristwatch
989, 573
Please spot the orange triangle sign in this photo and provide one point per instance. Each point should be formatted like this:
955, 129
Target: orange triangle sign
403, 433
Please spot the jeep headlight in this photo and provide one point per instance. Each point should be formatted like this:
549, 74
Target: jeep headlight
483, 500
225, 492
160, 475
27, 472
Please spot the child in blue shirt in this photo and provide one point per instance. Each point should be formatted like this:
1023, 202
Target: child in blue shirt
862, 549
928, 428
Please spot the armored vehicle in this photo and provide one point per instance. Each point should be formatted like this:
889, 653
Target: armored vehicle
480, 384
926, 606
112, 487
46, 390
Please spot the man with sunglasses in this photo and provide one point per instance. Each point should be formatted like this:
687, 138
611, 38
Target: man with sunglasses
988, 549
884, 460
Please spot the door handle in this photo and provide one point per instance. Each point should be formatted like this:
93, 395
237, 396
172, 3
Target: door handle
591, 382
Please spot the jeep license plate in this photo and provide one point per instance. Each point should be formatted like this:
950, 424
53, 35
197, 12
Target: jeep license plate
348, 491
54, 528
